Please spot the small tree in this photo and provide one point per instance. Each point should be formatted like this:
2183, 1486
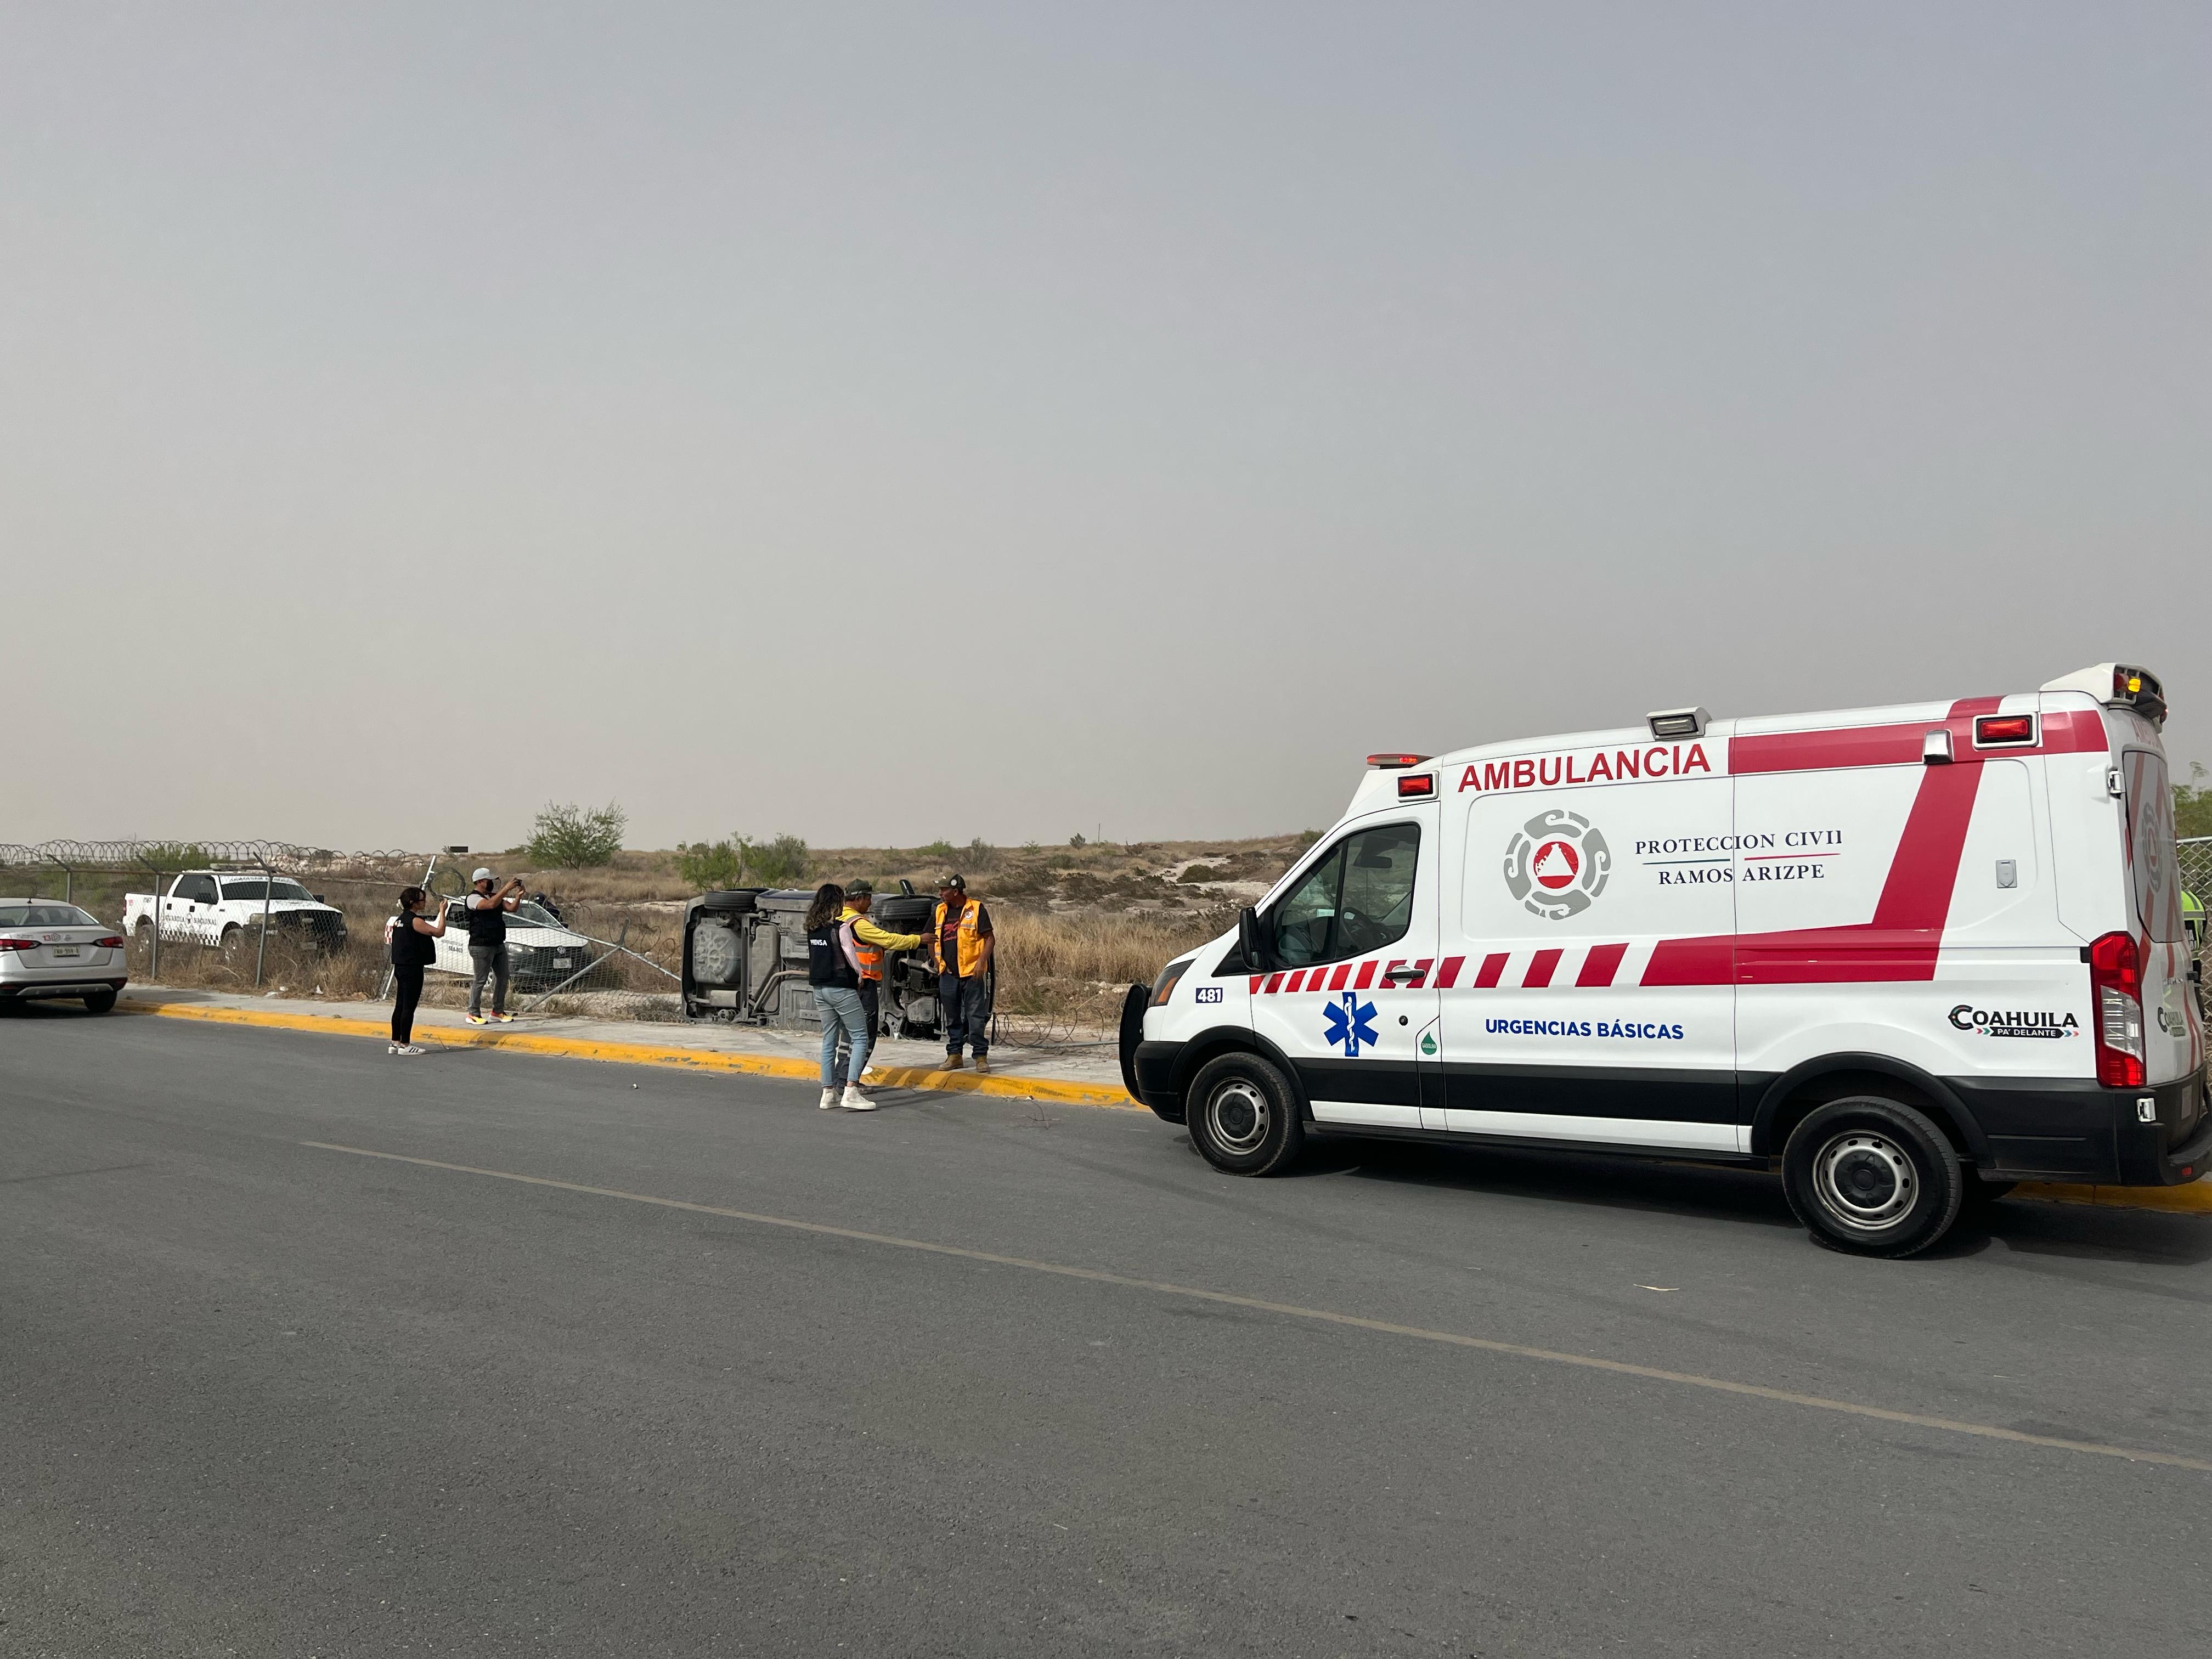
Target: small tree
2193, 804
567, 837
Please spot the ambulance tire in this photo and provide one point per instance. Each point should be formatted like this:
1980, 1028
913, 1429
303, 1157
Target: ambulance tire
1871, 1176
1243, 1117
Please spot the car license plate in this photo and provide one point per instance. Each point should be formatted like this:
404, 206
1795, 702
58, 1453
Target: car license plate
65, 949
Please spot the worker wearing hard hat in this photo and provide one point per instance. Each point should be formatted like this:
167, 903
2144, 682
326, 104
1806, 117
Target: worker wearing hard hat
870, 942
960, 946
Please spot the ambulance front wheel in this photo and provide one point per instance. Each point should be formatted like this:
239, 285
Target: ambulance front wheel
1872, 1177
1243, 1117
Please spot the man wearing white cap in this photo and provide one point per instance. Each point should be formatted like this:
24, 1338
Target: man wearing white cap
488, 944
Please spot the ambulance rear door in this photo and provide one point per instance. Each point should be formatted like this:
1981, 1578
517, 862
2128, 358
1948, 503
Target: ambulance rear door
2174, 1041
1348, 996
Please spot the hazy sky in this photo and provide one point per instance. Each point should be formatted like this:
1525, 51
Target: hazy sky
887, 422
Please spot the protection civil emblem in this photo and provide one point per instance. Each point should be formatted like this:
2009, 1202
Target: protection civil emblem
1556, 863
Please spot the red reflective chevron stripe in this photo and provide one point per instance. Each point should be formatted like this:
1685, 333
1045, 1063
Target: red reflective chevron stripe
1448, 973
1420, 973
1258, 980
1366, 976
1291, 983
1343, 973
1906, 935
1493, 965
1602, 963
1541, 968
1274, 983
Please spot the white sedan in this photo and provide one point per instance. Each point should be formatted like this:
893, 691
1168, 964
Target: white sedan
51, 948
541, 952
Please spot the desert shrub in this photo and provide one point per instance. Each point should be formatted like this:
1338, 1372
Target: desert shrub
568, 837
169, 856
1199, 872
1077, 840
781, 862
708, 865
938, 851
981, 854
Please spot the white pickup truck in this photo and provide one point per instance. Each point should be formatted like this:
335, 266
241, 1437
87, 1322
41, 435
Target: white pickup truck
222, 908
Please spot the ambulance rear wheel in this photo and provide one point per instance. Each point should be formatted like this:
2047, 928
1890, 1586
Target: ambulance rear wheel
1244, 1118
1873, 1177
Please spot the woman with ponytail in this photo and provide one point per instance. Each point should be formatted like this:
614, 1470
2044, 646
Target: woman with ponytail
408, 936
833, 969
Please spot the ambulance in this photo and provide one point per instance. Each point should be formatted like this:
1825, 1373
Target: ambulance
1909, 956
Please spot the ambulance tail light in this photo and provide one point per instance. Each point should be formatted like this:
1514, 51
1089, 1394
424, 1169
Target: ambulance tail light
2116, 979
1418, 786
1394, 763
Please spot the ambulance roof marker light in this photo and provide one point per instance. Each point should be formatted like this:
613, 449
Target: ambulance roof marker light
1394, 763
1666, 723
1935, 747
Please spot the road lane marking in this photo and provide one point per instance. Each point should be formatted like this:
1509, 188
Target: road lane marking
1289, 1310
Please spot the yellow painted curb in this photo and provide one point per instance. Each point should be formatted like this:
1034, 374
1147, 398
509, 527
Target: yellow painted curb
2195, 1198
639, 1053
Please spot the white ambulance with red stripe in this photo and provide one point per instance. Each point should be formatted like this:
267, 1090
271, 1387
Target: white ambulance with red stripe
1914, 955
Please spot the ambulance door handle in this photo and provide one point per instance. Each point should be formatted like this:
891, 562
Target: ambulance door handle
1392, 975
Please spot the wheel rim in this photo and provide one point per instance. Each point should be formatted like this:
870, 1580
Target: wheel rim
1865, 1181
1239, 1116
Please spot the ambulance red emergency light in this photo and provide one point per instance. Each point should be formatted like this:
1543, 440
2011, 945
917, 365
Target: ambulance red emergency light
1914, 954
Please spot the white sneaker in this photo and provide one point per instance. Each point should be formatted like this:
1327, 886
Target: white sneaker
828, 1098
412, 1048
855, 1101
393, 1048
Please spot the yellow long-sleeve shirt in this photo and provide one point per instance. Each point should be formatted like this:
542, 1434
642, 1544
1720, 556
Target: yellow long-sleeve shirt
880, 937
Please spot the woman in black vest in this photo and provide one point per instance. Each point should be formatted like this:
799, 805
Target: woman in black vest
410, 933
834, 970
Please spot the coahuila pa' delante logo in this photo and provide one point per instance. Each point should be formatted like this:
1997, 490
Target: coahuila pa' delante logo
1556, 863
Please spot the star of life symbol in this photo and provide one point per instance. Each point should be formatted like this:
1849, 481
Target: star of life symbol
1350, 1022
1556, 863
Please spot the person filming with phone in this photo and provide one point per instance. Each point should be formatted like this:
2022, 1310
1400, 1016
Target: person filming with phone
488, 910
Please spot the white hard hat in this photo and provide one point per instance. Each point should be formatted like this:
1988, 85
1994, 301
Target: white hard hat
481, 874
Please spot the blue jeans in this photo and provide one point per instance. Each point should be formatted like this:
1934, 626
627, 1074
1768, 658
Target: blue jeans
964, 1006
840, 1010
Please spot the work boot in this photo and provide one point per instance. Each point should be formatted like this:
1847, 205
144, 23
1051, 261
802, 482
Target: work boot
982, 1066
855, 1101
828, 1098
953, 1063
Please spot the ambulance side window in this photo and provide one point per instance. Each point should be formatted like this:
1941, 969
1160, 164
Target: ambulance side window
1307, 916
2151, 849
1357, 899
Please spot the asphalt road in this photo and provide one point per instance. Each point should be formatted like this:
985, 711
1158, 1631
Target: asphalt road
258, 1396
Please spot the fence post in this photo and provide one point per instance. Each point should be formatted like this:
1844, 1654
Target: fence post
268, 888
155, 971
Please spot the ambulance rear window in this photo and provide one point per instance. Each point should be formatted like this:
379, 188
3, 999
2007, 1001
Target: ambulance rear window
2151, 852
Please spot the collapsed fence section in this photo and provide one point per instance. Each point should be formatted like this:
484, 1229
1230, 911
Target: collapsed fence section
289, 920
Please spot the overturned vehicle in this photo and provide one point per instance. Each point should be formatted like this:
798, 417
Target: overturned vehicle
745, 960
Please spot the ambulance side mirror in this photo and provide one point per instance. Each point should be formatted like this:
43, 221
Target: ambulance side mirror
1250, 940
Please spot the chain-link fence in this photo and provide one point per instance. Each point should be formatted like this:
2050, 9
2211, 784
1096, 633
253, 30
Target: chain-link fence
287, 921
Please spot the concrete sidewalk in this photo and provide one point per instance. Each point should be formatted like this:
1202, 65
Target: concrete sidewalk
1076, 1075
